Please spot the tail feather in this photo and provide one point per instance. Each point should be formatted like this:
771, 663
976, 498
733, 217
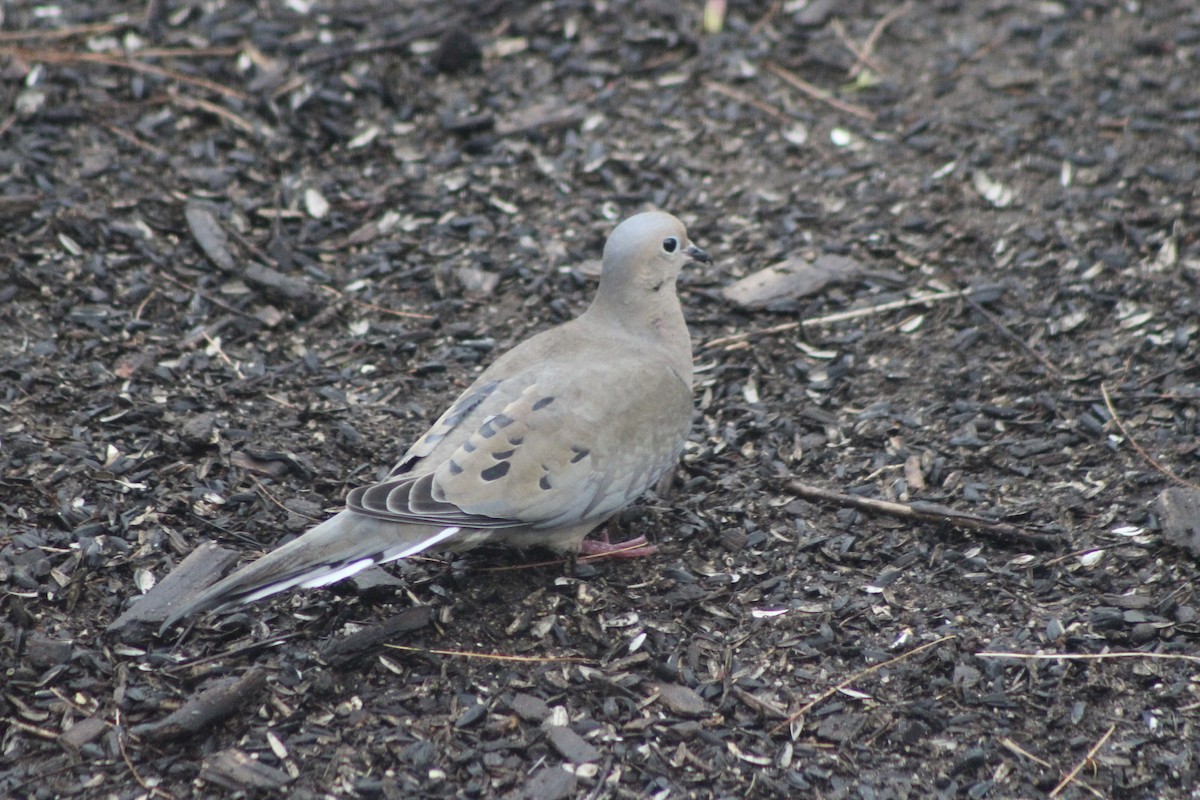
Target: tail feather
339, 547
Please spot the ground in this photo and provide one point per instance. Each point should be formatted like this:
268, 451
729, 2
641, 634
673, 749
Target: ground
251, 249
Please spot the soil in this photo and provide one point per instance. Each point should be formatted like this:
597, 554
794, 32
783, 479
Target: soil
250, 250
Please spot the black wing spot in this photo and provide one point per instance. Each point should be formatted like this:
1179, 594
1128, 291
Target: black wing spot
496, 472
516, 441
468, 447
544, 483
504, 455
455, 469
486, 430
540, 404
580, 453
502, 421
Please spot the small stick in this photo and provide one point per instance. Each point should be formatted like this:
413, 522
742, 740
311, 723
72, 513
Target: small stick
188, 52
59, 33
267, 494
1012, 337
216, 346
766, 19
241, 123
154, 790
804, 709
372, 306
1088, 656
210, 298
69, 57
817, 93
1141, 450
1013, 747
134, 140
492, 656
395, 43
747, 100
842, 316
861, 56
556, 561
927, 512
873, 37
1090, 753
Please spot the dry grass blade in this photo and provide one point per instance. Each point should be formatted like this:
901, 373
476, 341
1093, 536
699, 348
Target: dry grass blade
747, 100
372, 306
830, 692
843, 316
59, 33
927, 512
1089, 656
1108, 403
493, 656
817, 93
1065, 782
51, 56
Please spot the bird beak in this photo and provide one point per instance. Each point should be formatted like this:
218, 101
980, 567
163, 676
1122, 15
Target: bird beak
696, 254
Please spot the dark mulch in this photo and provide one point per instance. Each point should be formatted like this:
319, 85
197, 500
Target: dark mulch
247, 261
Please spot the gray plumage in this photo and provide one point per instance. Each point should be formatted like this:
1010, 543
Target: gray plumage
551, 440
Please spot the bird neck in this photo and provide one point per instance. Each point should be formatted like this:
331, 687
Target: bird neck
652, 316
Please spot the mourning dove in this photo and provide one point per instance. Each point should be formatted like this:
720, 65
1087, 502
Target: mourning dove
551, 440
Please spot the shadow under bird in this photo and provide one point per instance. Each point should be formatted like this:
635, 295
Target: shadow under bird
551, 440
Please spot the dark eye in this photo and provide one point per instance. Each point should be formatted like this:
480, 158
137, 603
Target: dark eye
670, 244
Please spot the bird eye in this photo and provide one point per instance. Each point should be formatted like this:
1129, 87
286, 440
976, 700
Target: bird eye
670, 244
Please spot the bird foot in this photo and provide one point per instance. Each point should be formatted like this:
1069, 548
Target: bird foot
603, 548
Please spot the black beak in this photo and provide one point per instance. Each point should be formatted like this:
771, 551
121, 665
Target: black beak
696, 254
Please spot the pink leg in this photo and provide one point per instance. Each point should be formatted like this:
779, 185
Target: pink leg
603, 548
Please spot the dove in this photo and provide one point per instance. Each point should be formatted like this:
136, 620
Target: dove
550, 441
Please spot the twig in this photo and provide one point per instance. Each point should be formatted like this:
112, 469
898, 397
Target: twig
765, 20
69, 57
842, 316
216, 348
1012, 337
136, 141
873, 37
59, 33
817, 93
804, 709
372, 306
1075, 554
150, 295
861, 56
556, 561
1013, 747
188, 52
1141, 450
1088, 656
267, 494
391, 44
1090, 753
492, 656
121, 737
241, 123
210, 298
238, 650
927, 512
745, 99
42, 733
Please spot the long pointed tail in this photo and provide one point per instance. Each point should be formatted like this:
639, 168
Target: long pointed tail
339, 547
